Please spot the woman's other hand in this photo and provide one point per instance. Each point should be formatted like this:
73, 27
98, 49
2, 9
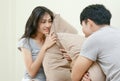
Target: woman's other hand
65, 54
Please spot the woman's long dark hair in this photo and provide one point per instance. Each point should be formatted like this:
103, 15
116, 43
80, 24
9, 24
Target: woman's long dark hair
32, 23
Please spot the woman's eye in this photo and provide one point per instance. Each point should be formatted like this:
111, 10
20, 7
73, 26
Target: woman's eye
42, 21
45, 21
50, 21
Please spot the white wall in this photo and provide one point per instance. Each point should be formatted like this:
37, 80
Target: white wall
7, 40
13, 16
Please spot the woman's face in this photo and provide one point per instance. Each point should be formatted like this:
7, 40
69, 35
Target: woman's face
44, 24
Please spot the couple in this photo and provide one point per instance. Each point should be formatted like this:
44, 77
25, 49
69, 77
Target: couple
101, 45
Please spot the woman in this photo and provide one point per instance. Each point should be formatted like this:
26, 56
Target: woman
36, 35
35, 41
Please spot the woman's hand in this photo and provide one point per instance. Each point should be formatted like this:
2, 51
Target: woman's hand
50, 40
65, 55
86, 77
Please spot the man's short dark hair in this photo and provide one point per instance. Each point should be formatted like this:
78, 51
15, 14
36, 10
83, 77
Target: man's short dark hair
97, 13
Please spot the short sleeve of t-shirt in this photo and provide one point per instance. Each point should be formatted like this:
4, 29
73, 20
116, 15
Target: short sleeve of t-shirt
90, 48
24, 42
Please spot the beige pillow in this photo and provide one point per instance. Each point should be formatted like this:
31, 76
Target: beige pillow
62, 26
72, 43
55, 66
96, 73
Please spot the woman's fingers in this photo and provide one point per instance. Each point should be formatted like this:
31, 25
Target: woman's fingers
63, 50
50, 40
53, 36
68, 58
65, 55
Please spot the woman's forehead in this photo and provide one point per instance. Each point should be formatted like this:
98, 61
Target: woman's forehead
46, 16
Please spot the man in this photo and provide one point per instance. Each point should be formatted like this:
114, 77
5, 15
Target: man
102, 44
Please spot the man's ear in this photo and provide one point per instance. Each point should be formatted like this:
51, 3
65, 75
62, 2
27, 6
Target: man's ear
90, 22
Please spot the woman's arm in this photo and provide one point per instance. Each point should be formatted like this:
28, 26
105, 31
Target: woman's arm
34, 66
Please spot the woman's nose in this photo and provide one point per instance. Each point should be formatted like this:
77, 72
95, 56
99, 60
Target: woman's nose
48, 24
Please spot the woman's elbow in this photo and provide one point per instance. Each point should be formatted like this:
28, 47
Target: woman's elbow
32, 74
